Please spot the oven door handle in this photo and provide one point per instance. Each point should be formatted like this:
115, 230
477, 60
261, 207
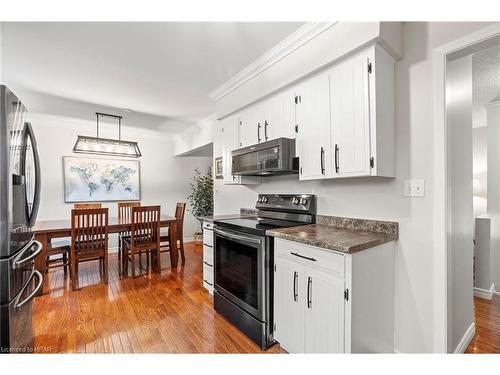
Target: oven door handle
237, 237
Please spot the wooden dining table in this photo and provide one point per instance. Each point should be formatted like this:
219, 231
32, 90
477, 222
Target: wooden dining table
46, 230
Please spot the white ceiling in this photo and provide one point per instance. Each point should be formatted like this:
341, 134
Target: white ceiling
486, 82
164, 71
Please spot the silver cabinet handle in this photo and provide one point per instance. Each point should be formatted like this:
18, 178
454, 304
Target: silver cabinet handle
322, 160
309, 293
295, 279
258, 131
303, 256
265, 129
337, 158
208, 264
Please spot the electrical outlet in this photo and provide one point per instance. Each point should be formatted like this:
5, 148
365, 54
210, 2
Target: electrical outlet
414, 188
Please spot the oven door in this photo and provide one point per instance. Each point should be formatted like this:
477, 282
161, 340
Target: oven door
240, 269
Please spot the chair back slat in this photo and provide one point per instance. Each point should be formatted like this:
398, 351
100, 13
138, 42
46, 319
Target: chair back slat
180, 210
125, 209
145, 226
89, 230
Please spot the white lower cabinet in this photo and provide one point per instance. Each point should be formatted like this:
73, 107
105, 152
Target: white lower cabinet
329, 302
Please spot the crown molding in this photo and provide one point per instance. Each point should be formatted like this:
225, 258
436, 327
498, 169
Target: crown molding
281, 50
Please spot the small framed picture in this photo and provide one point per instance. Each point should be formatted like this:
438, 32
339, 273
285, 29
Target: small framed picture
218, 168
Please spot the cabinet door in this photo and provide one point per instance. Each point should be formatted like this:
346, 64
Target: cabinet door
229, 143
313, 120
250, 132
280, 115
350, 116
324, 312
289, 305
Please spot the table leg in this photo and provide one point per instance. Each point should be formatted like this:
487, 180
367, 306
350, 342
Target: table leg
40, 260
174, 253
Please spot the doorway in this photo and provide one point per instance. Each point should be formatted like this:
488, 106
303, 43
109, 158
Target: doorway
466, 202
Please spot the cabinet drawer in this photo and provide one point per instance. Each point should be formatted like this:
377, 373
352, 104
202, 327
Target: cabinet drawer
208, 237
208, 274
208, 255
330, 262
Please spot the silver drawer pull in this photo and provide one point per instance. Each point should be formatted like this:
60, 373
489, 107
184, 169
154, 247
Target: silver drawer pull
207, 282
207, 264
302, 256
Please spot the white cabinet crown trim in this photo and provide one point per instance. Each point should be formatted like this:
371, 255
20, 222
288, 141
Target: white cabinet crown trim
284, 48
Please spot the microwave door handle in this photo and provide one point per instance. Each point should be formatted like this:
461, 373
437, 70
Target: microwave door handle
28, 133
237, 237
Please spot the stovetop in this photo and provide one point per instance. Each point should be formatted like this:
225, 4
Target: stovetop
275, 211
255, 225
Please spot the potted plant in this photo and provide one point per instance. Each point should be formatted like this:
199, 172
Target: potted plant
201, 198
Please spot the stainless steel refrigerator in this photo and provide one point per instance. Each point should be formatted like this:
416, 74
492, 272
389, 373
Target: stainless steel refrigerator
19, 202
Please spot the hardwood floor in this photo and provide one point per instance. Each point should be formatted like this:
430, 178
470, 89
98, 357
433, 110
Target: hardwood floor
487, 319
167, 313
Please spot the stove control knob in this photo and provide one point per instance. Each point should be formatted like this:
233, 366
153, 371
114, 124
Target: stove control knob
295, 200
303, 201
264, 200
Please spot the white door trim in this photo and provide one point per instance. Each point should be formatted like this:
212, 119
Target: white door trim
441, 196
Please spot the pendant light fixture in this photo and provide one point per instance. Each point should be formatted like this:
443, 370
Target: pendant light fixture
107, 146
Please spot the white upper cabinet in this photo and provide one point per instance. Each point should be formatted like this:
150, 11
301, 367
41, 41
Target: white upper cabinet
280, 115
350, 116
313, 122
342, 118
362, 115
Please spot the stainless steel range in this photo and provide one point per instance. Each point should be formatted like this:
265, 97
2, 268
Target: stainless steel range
244, 256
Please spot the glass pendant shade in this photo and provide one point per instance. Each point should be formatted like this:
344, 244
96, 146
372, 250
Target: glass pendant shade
107, 146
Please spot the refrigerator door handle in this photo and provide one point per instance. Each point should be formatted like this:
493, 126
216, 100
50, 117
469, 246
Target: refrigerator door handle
33, 294
28, 133
19, 261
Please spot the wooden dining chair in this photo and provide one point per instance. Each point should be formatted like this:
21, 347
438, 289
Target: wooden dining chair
58, 253
124, 213
165, 244
144, 237
87, 205
89, 240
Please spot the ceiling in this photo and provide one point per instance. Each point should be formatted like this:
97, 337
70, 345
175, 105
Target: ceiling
163, 71
486, 82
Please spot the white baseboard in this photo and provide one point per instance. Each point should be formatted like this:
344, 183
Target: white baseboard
484, 293
468, 336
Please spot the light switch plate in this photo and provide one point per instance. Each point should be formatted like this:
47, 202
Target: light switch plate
414, 188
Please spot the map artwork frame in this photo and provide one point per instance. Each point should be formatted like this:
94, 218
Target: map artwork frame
101, 180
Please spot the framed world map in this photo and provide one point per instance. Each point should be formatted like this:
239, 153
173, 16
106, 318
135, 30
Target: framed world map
98, 180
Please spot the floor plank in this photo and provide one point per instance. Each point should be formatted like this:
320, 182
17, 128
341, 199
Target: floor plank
487, 319
167, 313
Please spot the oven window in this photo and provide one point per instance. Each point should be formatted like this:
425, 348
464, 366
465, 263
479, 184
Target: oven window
236, 267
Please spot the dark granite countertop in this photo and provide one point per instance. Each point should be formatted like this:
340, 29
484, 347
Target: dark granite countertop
340, 234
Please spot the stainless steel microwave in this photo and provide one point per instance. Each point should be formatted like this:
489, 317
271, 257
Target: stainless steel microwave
269, 158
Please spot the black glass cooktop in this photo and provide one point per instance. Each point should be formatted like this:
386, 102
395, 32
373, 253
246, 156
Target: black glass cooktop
255, 225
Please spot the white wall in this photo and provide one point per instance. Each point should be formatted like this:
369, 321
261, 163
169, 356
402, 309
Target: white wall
480, 169
383, 198
164, 178
460, 253
493, 124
